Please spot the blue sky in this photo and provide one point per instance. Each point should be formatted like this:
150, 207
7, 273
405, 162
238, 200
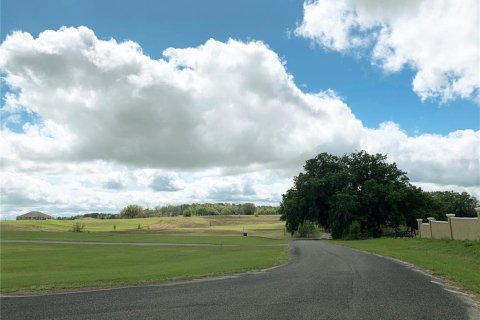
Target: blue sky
91, 121
373, 95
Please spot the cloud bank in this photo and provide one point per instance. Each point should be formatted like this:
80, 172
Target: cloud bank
438, 39
223, 121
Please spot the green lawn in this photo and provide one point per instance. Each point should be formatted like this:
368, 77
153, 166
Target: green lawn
457, 261
136, 237
27, 267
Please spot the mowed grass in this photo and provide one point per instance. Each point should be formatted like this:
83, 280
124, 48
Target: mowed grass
125, 237
28, 267
457, 261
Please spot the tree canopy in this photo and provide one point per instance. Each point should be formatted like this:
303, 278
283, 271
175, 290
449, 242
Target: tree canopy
335, 192
132, 211
441, 203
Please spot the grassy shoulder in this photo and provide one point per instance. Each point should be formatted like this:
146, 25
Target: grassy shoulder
28, 267
456, 261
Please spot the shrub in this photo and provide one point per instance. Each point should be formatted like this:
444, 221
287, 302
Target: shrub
77, 227
306, 229
187, 213
354, 231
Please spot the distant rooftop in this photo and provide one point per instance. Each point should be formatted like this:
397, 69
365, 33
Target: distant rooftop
34, 215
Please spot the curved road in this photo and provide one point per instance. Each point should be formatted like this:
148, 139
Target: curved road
322, 281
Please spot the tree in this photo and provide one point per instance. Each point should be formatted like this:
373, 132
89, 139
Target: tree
359, 188
132, 211
248, 208
441, 203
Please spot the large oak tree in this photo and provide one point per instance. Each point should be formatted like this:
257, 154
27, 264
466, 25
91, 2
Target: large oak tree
336, 191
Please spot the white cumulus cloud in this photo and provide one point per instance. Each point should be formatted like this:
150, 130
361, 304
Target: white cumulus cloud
439, 39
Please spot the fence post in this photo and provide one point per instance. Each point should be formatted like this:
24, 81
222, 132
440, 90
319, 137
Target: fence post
419, 224
430, 219
450, 216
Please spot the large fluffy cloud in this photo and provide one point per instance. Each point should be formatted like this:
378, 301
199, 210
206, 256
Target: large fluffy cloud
439, 39
219, 122
218, 104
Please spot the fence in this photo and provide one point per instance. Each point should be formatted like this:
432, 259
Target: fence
454, 228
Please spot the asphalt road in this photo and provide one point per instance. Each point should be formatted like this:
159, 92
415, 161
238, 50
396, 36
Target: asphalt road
322, 281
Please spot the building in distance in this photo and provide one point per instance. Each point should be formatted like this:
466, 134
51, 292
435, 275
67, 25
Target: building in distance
34, 215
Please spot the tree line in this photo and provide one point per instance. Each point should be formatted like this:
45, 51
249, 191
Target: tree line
187, 210
363, 194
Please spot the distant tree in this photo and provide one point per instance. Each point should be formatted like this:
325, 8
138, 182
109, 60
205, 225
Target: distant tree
441, 203
248, 208
132, 211
188, 212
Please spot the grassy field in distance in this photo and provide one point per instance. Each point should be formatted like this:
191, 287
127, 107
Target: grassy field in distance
262, 226
456, 261
30, 267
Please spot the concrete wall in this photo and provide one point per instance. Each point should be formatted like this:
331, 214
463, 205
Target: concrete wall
454, 228
424, 230
441, 230
465, 228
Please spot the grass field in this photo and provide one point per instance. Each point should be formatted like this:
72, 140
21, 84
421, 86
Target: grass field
262, 226
456, 261
30, 267
136, 237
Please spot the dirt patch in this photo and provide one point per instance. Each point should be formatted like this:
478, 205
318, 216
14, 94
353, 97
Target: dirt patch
163, 226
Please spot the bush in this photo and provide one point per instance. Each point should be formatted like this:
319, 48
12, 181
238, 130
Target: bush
306, 229
354, 231
187, 213
77, 227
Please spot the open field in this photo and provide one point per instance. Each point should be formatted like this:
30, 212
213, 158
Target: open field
29, 267
261, 226
456, 261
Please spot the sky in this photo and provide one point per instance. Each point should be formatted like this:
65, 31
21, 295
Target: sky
108, 103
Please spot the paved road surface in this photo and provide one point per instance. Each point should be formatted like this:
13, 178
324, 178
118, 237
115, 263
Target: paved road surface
322, 281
